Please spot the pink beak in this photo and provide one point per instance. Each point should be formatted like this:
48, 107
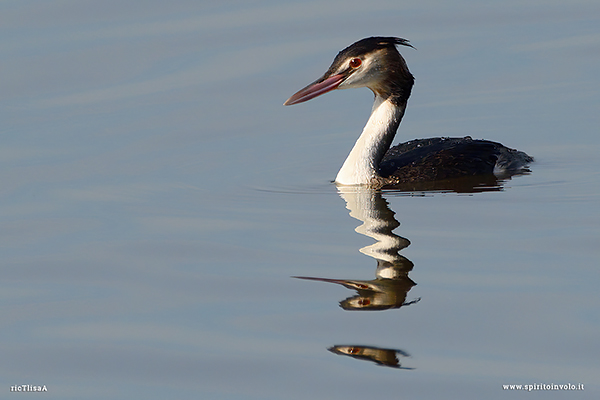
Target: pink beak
315, 89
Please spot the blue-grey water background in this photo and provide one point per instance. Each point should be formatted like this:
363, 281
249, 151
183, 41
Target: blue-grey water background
156, 198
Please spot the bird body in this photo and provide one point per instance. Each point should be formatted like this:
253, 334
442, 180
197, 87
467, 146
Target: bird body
376, 63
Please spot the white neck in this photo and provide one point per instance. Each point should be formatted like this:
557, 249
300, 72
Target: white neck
362, 165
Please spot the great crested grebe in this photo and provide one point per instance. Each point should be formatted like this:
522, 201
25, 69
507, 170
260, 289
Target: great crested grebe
376, 63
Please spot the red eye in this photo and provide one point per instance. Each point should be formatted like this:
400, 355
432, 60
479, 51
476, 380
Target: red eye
355, 62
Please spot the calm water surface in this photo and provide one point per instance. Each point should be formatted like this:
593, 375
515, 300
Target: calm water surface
158, 202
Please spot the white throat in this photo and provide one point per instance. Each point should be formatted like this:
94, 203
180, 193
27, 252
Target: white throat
362, 165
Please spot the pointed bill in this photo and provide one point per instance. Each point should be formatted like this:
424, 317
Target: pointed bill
315, 89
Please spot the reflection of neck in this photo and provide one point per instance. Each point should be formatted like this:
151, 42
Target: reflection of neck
362, 165
378, 223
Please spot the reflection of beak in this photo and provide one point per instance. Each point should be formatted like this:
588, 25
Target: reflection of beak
316, 89
349, 284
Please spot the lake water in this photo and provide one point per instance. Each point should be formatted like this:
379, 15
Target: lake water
158, 203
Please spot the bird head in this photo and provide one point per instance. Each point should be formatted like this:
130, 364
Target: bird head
372, 62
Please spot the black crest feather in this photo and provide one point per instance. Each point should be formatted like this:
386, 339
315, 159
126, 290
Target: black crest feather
370, 44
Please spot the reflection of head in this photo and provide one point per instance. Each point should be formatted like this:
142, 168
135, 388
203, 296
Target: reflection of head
373, 295
378, 294
380, 356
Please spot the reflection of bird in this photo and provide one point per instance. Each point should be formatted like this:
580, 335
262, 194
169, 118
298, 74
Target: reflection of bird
376, 63
391, 284
383, 357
